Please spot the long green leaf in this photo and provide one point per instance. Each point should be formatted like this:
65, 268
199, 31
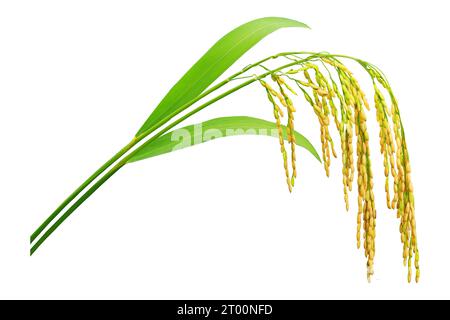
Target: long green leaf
213, 129
214, 63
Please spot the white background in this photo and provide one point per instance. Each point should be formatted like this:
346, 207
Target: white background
78, 78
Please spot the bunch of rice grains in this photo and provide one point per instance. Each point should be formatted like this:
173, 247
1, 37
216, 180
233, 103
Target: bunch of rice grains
337, 94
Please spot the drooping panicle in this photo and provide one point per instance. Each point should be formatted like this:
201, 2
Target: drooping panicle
344, 100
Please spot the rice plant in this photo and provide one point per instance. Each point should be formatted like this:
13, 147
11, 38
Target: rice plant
319, 80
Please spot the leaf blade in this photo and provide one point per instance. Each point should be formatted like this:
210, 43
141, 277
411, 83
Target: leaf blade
215, 128
214, 63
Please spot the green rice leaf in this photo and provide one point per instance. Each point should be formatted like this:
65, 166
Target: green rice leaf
213, 129
214, 63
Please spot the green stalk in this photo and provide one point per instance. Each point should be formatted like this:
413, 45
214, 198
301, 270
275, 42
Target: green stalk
138, 138
99, 171
132, 143
116, 168
75, 206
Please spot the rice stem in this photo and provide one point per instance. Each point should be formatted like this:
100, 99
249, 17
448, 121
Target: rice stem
137, 139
